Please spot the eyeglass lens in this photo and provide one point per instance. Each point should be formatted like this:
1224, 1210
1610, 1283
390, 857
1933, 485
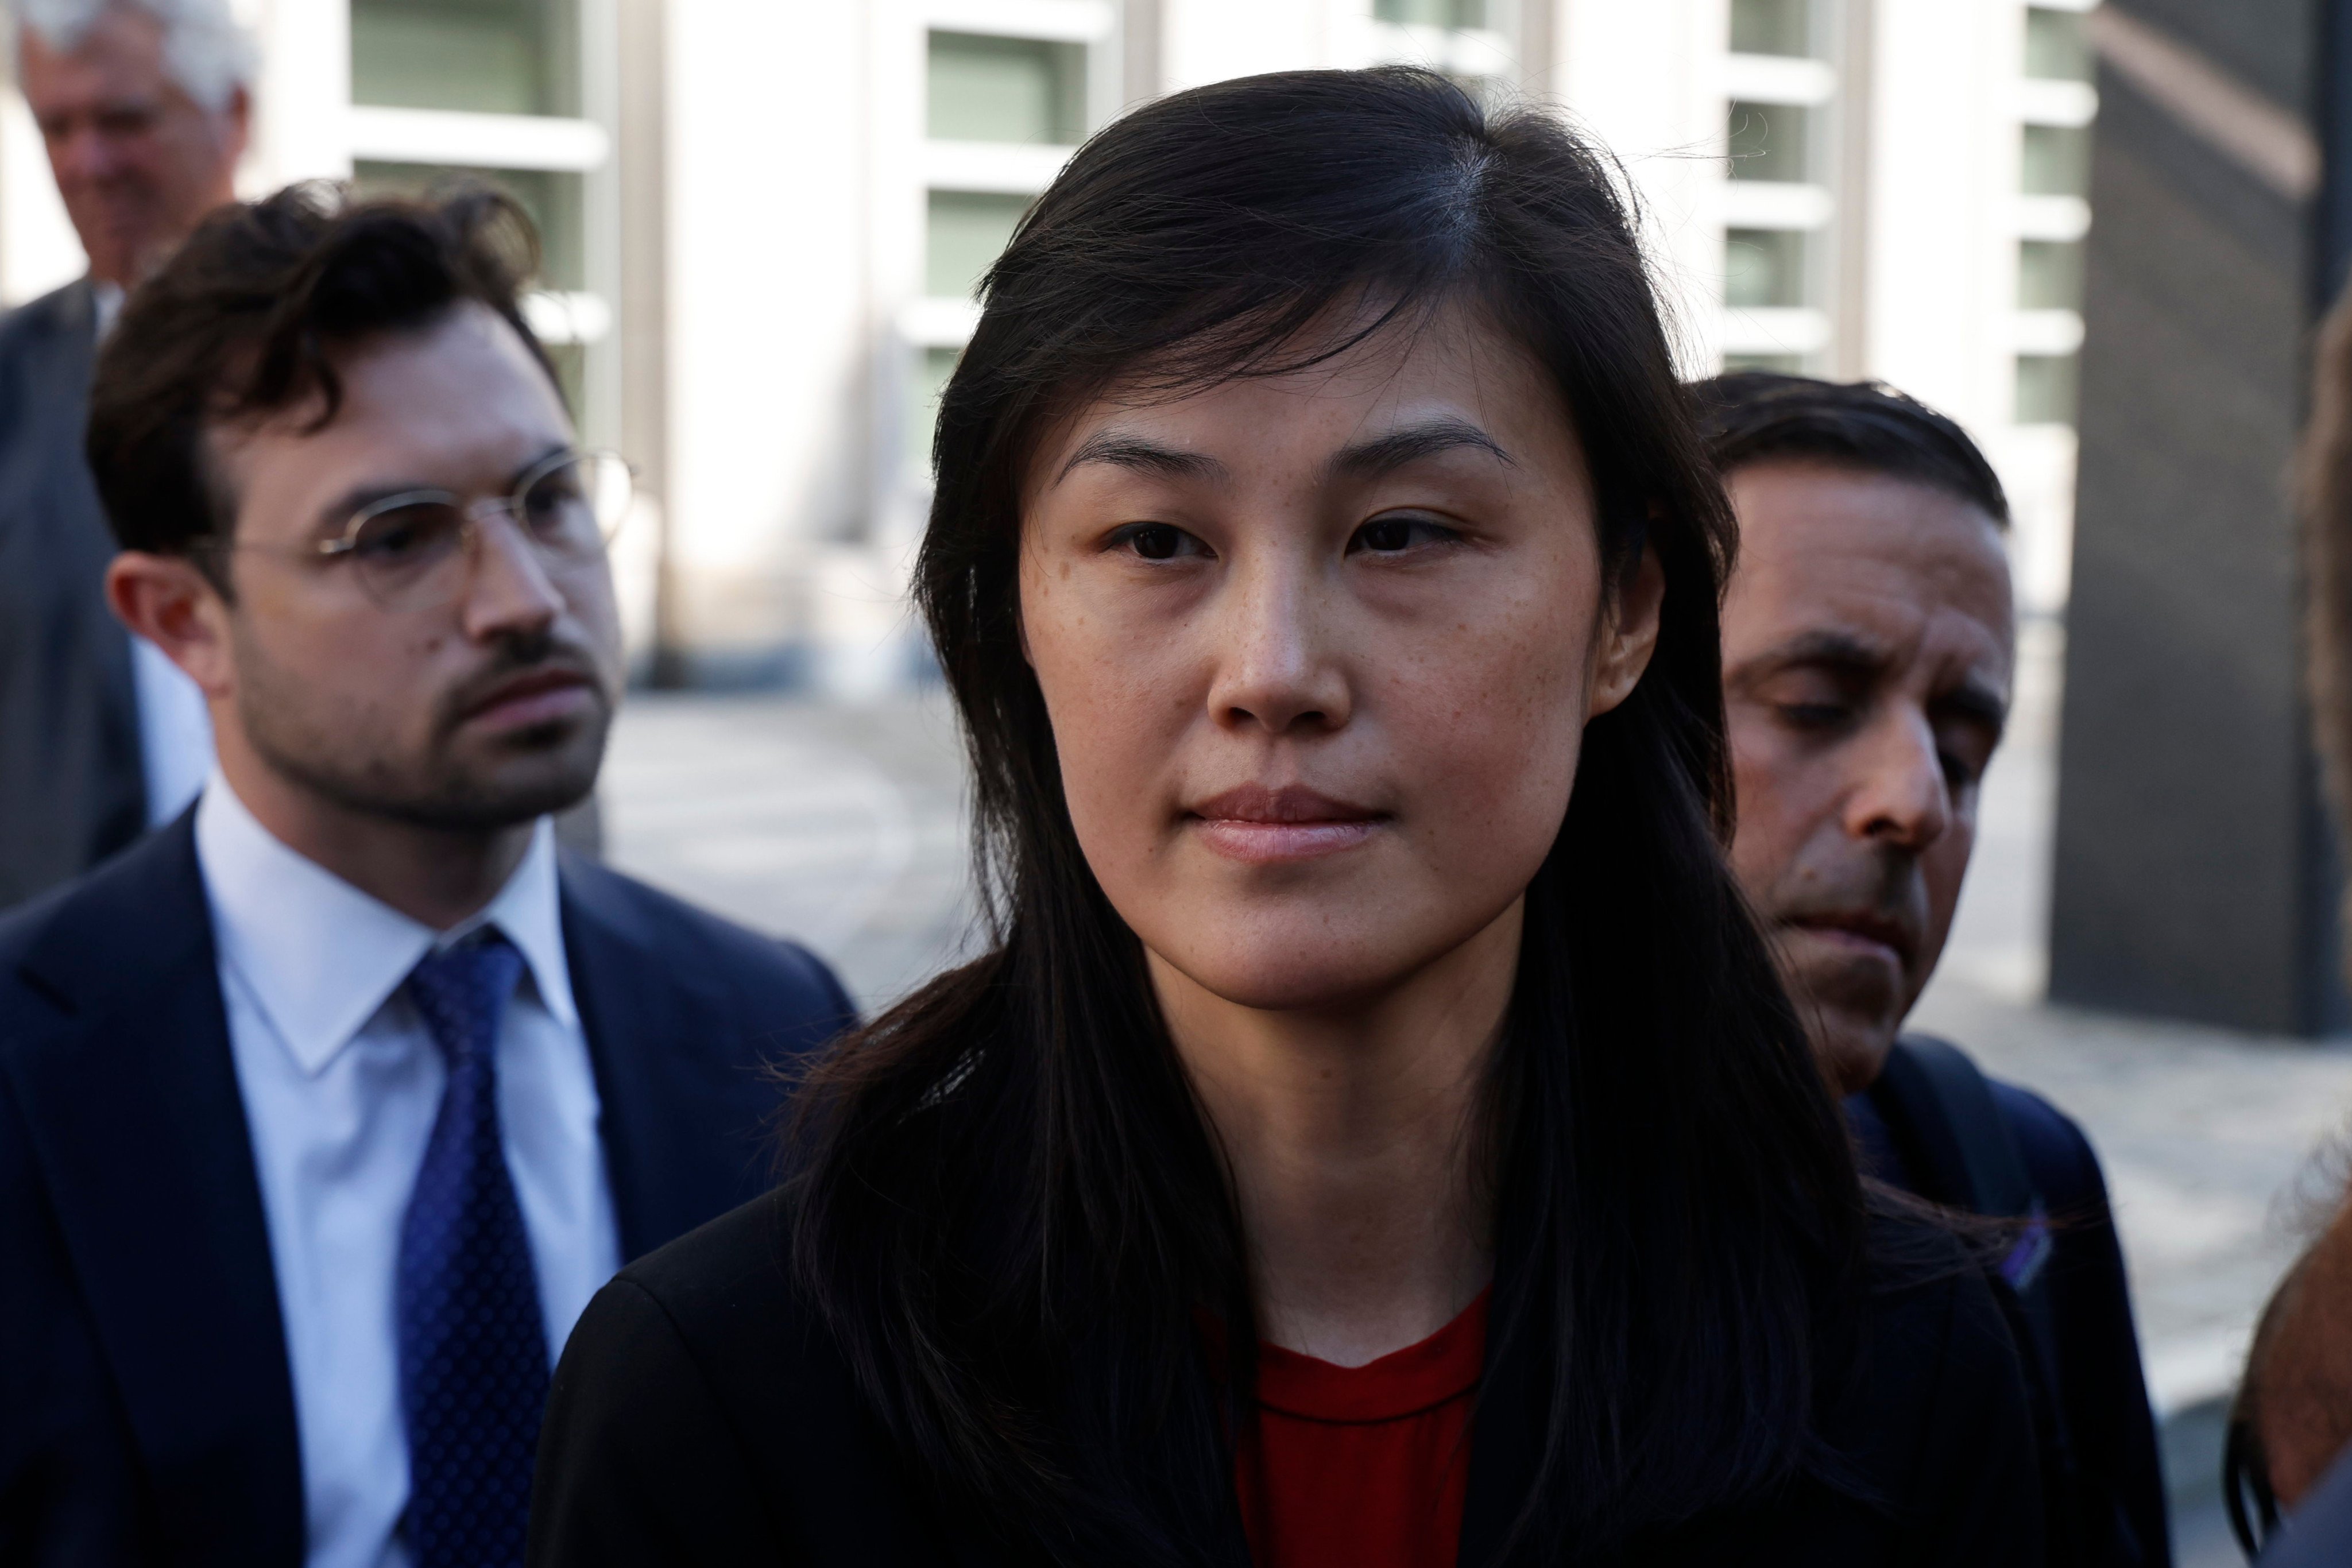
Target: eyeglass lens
412, 552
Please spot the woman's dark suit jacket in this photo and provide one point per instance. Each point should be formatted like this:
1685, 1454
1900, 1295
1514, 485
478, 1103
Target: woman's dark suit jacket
701, 1415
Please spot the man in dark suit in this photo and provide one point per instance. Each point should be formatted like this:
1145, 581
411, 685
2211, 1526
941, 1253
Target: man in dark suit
1867, 647
143, 108
325, 1110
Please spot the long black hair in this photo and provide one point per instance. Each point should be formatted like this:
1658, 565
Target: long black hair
1006, 1203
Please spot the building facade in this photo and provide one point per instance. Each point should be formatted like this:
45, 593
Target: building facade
763, 222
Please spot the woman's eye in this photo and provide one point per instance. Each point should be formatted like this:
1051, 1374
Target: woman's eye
1157, 541
1393, 536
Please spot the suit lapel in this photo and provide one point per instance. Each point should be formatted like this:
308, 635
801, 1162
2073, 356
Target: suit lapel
657, 1028
137, 1126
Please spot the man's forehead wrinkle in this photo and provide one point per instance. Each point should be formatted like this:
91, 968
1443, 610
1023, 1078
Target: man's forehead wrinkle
317, 476
398, 474
1961, 671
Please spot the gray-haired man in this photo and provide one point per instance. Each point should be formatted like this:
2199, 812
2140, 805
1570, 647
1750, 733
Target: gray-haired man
142, 106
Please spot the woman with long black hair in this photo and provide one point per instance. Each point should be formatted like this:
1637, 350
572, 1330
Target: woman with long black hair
1376, 1136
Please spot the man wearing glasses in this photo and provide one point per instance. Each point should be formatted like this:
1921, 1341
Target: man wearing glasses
324, 1111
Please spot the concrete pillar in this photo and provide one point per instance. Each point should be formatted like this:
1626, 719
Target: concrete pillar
2192, 875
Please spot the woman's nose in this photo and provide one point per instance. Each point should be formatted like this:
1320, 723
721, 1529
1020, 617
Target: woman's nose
1277, 669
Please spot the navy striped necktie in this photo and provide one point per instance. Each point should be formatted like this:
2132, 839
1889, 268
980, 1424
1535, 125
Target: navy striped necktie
473, 1346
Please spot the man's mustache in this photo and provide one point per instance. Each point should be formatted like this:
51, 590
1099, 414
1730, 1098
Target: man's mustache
531, 654
1882, 888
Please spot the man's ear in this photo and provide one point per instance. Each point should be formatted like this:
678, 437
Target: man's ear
1629, 634
169, 600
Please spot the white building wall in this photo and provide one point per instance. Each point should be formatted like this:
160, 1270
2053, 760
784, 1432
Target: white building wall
1930, 225
1646, 81
1203, 41
303, 103
1940, 175
1943, 229
38, 251
771, 304
795, 312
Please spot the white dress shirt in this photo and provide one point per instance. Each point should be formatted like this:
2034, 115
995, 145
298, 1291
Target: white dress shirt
341, 1083
175, 729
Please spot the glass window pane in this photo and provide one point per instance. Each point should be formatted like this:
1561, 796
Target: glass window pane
492, 57
2055, 162
1785, 364
1768, 141
967, 230
2045, 389
552, 200
1007, 90
2055, 48
1763, 268
1771, 27
1431, 12
2049, 275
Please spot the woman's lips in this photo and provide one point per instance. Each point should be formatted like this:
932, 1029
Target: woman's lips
1261, 826
1264, 843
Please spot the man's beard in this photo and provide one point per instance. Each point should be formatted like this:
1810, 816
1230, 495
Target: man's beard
436, 791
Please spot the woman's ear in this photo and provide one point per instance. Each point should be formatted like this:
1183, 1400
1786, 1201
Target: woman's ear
1630, 635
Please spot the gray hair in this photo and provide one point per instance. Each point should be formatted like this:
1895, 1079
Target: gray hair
205, 48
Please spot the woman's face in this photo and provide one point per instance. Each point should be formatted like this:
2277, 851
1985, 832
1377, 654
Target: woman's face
1319, 651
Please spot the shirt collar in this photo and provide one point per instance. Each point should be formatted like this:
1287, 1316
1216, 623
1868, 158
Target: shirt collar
105, 305
320, 956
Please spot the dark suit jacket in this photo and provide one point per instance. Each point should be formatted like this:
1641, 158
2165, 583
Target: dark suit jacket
72, 788
702, 1414
146, 1407
2094, 1345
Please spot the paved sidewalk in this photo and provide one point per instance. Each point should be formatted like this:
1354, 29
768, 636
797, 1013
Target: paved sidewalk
840, 827
844, 826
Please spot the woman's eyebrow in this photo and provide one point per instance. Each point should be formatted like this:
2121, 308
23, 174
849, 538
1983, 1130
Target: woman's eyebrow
1386, 453
1123, 451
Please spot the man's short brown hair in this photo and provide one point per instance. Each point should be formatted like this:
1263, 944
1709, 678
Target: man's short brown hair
248, 318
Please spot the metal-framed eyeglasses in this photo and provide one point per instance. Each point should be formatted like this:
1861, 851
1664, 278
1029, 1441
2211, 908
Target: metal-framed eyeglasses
416, 549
